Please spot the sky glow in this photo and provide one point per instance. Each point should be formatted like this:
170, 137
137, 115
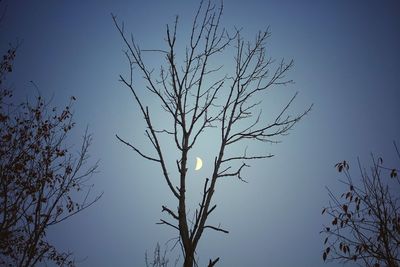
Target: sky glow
346, 64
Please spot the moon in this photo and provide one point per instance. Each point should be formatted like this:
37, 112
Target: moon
199, 164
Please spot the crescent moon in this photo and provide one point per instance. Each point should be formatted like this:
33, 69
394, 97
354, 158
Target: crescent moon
199, 164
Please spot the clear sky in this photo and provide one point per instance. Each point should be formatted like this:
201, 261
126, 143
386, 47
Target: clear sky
346, 62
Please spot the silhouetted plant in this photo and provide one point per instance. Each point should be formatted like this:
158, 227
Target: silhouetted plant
365, 225
42, 181
159, 258
195, 99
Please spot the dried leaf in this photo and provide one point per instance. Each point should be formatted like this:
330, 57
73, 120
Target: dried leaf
327, 250
345, 208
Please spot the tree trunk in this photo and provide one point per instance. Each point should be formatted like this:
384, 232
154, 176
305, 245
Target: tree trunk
189, 258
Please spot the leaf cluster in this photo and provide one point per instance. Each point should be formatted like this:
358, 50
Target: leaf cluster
365, 219
40, 177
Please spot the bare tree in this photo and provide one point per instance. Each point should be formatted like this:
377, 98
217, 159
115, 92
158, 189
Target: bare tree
42, 182
195, 101
365, 225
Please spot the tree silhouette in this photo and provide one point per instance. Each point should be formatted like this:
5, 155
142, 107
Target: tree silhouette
197, 96
365, 225
42, 182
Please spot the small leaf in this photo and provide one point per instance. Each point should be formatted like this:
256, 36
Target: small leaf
345, 165
345, 208
323, 211
324, 256
340, 168
393, 173
326, 240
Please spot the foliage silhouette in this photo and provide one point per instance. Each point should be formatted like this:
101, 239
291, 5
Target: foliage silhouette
42, 182
365, 225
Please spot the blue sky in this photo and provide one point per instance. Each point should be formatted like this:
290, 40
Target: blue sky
346, 63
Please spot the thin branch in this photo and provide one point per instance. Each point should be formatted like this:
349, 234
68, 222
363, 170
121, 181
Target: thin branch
137, 150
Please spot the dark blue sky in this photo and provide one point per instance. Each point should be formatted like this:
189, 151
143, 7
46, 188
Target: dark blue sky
346, 62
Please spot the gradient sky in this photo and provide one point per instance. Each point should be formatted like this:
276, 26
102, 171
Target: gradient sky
346, 62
